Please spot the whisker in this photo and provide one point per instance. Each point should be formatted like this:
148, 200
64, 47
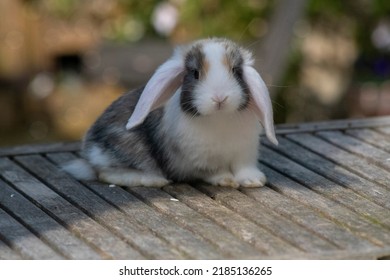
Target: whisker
253, 43
278, 86
244, 31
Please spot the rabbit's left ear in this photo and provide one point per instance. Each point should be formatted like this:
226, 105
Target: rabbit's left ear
260, 101
161, 86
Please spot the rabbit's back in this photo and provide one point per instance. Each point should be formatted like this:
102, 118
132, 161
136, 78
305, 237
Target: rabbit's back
109, 144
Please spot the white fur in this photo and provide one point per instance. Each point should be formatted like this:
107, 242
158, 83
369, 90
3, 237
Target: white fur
223, 143
98, 158
80, 169
261, 104
218, 84
166, 80
131, 178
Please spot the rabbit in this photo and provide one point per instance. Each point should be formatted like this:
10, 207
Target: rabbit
199, 117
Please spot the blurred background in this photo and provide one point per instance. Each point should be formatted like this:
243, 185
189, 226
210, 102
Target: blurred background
63, 61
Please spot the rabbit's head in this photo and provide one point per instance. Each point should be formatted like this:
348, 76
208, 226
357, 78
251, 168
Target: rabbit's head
214, 76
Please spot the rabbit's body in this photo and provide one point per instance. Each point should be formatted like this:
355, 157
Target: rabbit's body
201, 124
202, 146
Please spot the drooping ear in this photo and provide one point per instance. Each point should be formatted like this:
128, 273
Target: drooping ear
260, 101
161, 86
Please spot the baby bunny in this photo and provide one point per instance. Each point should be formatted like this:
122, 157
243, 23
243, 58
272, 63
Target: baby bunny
197, 118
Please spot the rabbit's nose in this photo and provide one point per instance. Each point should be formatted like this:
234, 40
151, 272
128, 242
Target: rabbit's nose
219, 101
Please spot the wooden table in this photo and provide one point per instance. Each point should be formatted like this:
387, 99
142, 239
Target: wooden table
328, 197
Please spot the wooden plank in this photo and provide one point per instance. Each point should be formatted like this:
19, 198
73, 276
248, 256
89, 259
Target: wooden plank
372, 137
332, 171
384, 130
357, 254
24, 241
349, 161
39, 148
277, 224
6, 253
125, 226
243, 228
310, 210
73, 218
191, 244
197, 223
328, 188
338, 199
353, 145
377, 122
44, 226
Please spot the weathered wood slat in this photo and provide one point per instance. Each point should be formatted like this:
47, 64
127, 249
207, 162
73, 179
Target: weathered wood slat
353, 145
339, 226
243, 228
332, 205
6, 253
199, 224
39, 148
327, 197
44, 226
73, 218
372, 137
193, 246
277, 224
332, 171
383, 129
378, 122
349, 161
161, 225
376, 253
318, 183
23, 240
127, 227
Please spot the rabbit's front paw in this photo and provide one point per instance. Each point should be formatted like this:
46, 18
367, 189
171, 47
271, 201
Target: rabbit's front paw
223, 180
250, 178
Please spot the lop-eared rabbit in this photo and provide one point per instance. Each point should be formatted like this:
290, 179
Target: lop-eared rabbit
199, 117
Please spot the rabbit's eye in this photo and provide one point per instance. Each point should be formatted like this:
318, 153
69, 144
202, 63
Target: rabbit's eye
235, 70
196, 74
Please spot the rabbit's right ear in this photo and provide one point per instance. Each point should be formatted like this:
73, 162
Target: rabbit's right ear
260, 101
161, 86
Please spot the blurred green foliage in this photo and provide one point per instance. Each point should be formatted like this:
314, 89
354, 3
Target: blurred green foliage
236, 19
247, 21
243, 19
356, 21
363, 15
